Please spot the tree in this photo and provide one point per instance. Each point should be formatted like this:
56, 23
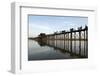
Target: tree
71, 29
63, 31
42, 35
86, 27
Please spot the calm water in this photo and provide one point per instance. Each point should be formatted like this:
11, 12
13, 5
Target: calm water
57, 49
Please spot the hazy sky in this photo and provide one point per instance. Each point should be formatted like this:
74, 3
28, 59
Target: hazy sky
50, 24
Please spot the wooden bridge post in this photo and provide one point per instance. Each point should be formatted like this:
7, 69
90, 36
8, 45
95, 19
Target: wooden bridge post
68, 40
55, 40
74, 42
79, 43
60, 40
64, 39
86, 41
47, 39
86, 34
71, 30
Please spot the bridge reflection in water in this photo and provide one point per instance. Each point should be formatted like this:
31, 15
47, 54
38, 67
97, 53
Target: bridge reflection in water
75, 48
72, 44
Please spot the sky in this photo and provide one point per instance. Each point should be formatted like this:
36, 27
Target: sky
50, 24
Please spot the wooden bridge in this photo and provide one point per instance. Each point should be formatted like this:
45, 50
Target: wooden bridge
67, 41
79, 34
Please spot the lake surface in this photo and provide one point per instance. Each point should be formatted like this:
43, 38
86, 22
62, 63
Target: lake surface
57, 49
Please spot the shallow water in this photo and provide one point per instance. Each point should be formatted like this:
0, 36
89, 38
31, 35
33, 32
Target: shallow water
57, 49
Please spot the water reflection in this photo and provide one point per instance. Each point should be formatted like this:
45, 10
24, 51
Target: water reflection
57, 49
